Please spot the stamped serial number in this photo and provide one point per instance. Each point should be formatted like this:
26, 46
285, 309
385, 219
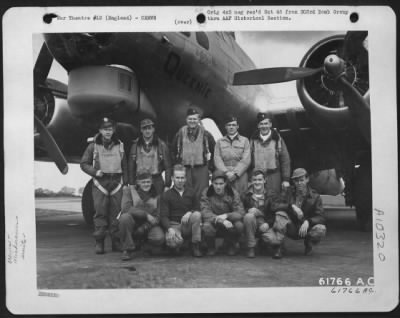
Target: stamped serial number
345, 281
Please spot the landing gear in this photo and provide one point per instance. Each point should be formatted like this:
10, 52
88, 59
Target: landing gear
87, 204
363, 196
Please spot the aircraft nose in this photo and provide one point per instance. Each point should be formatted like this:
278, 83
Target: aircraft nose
76, 49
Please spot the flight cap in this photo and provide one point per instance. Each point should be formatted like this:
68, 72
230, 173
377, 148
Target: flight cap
262, 116
192, 111
229, 119
299, 172
146, 122
143, 175
218, 174
106, 122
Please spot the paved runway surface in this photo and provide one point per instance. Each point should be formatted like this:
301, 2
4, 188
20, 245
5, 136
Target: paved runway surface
66, 259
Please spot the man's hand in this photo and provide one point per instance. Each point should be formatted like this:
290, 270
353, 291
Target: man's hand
166, 189
303, 229
285, 185
253, 211
170, 233
99, 173
151, 219
298, 211
227, 224
231, 176
263, 227
186, 217
221, 218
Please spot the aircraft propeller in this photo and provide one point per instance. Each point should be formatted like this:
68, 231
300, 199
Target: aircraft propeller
334, 67
40, 73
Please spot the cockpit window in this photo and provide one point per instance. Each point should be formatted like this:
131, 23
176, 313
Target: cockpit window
202, 39
187, 34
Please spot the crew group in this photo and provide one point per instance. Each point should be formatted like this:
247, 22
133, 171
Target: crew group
134, 204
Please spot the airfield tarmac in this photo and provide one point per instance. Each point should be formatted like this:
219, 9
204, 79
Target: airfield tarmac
66, 258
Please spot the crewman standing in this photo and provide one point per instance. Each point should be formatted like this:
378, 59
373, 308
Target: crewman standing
270, 155
232, 155
104, 160
150, 154
193, 146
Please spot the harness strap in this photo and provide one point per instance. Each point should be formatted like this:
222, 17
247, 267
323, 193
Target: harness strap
102, 189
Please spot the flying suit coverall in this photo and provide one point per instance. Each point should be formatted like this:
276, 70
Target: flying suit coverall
194, 148
153, 158
106, 190
272, 157
234, 155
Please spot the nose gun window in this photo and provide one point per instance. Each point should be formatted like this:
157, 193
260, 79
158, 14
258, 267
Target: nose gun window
202, 39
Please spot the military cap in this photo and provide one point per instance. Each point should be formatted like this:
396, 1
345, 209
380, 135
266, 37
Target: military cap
146, 122
106, 122
143, 175
262, 116
299, 172
229, 119
192, 111
218, 174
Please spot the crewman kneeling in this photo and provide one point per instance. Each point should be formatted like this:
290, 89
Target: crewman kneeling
222, 213
259, 219
140, 215
299, 215
104, 160
180, 216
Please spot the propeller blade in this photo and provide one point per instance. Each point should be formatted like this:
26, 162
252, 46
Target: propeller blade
51, 147
359, 108
42, 65
273, 75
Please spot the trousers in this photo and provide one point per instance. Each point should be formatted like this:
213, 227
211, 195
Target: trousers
197, 178
107, 209
190, 230
130, 229
232, 235
284, 227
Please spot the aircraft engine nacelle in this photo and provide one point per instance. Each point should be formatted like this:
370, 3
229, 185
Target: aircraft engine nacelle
44, 105
321, 95
327, 182
102, 89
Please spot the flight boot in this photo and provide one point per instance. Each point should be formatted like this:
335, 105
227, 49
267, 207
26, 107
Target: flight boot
211, 250
307, 247
250, 253
277, 252
126, 256
196, 252
99, 248
116, 244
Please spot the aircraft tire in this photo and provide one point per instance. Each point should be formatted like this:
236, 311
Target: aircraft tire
87, 204
363, 197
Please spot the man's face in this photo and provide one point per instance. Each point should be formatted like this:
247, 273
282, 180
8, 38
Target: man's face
107, 132
258, 182
232, 128
219, 186
145, 184
265, 126
147, 131
193, 120
179, 179
301, 183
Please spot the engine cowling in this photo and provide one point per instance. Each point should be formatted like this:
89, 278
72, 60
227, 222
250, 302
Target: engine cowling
322, 97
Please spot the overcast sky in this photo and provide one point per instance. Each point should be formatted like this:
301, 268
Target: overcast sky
266, 49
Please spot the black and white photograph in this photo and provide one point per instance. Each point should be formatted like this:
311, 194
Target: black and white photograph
206, 161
